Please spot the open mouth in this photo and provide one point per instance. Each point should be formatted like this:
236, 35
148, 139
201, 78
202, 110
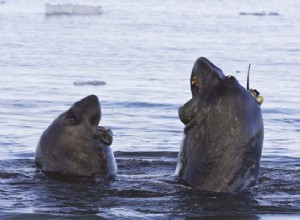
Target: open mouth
94, 117
202, 78
195, 85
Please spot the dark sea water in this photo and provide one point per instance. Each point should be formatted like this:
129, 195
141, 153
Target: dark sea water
139, 54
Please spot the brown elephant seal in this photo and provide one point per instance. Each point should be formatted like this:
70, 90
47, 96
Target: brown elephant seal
224, 132
75, 145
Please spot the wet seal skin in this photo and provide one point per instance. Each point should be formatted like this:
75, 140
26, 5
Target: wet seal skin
224, 132
75, 145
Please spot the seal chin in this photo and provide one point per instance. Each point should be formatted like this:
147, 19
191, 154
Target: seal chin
104, 135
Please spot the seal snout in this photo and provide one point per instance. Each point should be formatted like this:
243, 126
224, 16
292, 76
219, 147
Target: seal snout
91, 98
203, 64
91, 109
200, 73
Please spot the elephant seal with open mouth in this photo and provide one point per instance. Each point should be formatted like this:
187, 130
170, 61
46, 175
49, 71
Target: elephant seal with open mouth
223, 131
75, 145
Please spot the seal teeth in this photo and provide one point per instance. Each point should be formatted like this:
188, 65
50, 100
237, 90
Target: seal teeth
195, 85
194, 81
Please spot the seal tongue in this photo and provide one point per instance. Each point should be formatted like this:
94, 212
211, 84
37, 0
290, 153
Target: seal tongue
104, 135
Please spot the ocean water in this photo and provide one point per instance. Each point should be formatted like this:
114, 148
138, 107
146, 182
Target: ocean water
144, 52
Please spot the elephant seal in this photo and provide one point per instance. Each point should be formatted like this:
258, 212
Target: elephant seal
223, 131
75, 145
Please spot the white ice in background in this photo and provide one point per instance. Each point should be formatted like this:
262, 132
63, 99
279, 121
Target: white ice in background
90, 83
18, 7
72, 9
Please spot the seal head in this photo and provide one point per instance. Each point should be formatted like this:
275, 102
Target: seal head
75, 145
223, 131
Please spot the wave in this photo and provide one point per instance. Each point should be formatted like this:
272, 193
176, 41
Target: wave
72, 9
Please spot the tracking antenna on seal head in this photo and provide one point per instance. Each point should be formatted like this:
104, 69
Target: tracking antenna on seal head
259, 99
248, 76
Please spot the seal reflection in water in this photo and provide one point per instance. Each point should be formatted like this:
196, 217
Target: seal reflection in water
223, 131
75, 145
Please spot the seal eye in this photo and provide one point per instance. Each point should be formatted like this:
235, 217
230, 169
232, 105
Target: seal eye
71, 118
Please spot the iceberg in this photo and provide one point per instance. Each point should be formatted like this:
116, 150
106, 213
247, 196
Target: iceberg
91, 83
72, 9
